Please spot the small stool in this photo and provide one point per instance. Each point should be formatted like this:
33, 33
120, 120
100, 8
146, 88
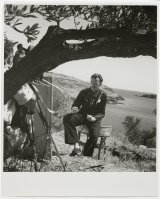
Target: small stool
105, 132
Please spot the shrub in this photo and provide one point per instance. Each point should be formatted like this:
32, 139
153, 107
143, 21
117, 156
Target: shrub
135, 135
132, 128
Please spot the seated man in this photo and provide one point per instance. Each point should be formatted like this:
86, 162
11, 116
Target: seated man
89, 109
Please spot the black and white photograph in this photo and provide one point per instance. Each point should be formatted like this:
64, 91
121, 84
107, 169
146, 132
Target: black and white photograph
80, 88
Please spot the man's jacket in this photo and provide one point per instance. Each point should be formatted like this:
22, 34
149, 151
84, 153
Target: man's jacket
91, 102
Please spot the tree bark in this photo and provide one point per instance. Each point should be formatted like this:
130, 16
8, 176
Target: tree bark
54, 50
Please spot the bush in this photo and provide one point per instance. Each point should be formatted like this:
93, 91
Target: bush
132, 128
148, 138
135, 135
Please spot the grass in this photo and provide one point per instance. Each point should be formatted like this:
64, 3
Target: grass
115, 114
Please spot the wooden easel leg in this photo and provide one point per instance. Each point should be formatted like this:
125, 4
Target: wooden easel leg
64, 169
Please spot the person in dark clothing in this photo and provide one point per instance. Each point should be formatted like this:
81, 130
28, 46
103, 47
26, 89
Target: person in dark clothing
88, 109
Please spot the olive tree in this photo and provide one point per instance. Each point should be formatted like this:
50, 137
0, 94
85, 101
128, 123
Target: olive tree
112, 31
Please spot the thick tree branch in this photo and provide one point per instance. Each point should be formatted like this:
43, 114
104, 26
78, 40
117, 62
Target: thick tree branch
120, 33
111, 48
53, 50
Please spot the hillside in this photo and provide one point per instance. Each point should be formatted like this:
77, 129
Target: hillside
119, 156
71, 85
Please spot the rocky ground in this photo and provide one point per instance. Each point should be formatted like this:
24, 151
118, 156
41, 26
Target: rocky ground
82, 163
107, 163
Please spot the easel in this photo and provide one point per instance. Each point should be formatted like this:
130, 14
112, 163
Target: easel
48, 131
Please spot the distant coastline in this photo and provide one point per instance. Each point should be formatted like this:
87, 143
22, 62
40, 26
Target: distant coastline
152, 96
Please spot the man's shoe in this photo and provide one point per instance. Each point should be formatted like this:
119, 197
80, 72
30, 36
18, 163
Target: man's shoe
76, 151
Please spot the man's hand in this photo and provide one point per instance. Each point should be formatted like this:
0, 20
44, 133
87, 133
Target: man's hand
91, 118
74, 109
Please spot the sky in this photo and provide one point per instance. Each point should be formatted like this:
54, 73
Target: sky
138, 74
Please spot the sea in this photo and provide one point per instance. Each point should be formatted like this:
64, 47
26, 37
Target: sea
133, 105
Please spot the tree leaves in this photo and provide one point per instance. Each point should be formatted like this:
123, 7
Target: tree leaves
24, 8
30, 39
13, 15
31, 32
29, 16
9, 9
18, 24
34, 27
132, 18
32, 8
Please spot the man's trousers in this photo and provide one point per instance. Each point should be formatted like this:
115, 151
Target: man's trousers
70, 121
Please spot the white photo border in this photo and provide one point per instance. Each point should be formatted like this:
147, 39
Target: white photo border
98, 184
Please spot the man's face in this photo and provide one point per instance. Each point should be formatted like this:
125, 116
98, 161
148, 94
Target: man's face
95, 82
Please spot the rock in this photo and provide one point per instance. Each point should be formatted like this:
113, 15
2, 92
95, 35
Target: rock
142, 147
13, 141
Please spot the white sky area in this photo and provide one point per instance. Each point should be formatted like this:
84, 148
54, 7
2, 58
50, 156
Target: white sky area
138, 74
